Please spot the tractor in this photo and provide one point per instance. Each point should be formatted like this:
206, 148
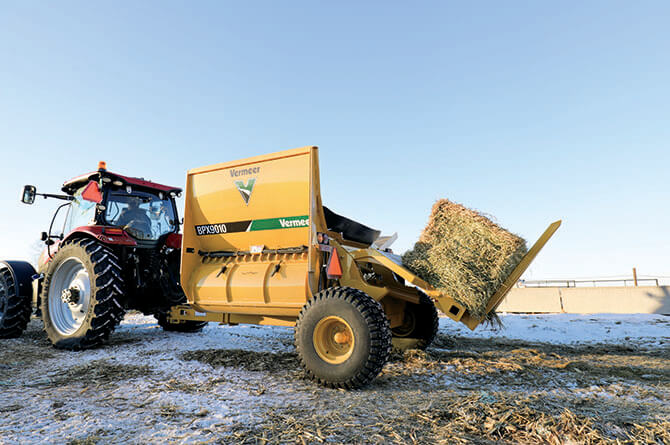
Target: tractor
119, 249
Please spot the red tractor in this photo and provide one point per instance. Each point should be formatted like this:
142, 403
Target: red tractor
119, 249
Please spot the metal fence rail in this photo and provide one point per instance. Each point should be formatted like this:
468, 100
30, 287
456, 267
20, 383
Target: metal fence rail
589, 283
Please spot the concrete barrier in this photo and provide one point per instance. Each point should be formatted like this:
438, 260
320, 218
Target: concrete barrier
589, 300
545, 299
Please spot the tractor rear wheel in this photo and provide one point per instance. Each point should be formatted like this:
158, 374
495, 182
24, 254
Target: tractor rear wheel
14, 308
184, 326
343, 338
421, 322
81, 295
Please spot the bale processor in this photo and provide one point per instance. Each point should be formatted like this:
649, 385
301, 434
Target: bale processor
260, 247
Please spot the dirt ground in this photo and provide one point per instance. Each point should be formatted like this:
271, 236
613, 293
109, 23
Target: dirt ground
243, 385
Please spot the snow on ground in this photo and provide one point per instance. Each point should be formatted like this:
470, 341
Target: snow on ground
246, 384
638, 329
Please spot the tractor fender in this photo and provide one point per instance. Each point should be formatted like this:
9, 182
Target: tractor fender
99, 234
24, 275
95, 232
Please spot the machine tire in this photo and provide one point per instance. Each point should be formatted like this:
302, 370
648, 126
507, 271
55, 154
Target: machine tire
15, 305
363, 328
173, 295
100, 305
184, 326
421, 322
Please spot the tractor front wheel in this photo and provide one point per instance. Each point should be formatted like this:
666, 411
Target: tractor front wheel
81, 295
343, 338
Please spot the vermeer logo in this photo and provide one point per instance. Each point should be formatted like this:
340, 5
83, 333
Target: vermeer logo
244, 171
246, 189
290, 223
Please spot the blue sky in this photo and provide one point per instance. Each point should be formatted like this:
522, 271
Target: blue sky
529, 111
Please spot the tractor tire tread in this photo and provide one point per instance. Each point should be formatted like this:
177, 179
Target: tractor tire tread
433, 322
18, 308
107, 312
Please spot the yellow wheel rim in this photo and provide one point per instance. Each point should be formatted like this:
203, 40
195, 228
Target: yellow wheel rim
333, 339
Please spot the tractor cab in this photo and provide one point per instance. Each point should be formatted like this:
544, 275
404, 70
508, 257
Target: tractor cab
144, 211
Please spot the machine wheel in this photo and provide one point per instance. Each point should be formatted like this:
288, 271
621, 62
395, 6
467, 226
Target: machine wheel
343, 338
173, 295
184, 326
421, 322
81, 295
15, 306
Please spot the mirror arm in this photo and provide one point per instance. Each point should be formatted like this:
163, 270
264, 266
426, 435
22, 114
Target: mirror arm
63, 197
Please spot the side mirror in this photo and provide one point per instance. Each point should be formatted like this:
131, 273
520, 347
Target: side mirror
44, 236
29, 192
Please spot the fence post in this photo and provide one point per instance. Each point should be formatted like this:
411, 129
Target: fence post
635, 276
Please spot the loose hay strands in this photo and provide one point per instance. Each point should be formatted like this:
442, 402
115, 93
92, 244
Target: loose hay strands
249, 360
452, 418
464, 254
101, 372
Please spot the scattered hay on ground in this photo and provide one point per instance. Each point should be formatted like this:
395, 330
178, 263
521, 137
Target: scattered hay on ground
452, 417
123, 338
516, 418
521, 364
169, 411
9, 408
464, 254
98, 372
92, 439
191, 387
248, 360
22, 356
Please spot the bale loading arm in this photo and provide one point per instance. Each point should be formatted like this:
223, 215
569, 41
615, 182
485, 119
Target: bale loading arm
447, 304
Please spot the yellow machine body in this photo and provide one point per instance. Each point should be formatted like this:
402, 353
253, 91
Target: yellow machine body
242, 221
250, 250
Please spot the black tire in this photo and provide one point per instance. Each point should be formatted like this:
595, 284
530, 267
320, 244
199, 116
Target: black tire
421, 322
367, 323
15, 308
184, 326
173, 295
104, 311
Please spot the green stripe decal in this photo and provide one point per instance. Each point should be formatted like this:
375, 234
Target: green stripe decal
290, 222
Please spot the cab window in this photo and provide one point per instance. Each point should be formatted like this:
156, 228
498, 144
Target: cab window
143, 215
80, 213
